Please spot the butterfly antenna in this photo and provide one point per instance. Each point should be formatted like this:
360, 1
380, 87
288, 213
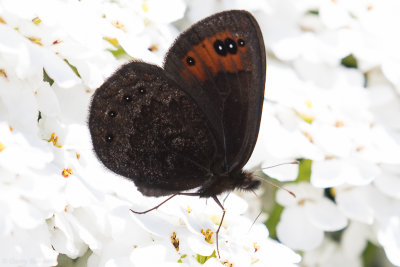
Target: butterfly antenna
276, 185
280, 164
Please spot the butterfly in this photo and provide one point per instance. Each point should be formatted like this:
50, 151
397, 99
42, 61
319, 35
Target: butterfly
193, 123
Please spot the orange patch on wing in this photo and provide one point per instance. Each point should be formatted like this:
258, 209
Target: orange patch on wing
208, 61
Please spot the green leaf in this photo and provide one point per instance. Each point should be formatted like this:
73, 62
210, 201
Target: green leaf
369, 254
46, 78
273, 219
304, 170
119, 51
350, 61
202, 259
39, 116
182, 257
313, 12
113, 41
74, 69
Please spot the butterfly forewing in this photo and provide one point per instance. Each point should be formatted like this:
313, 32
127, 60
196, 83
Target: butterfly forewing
220, 63
146, 128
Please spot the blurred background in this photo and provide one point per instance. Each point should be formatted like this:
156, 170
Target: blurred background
332, 103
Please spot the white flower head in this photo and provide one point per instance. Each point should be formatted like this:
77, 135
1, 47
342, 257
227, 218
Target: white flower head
313, 214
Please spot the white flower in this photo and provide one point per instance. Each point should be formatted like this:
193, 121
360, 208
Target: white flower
154, 10
313, 214
389, 181
354, 202
335, 172
29, 59
346, 252
199, 9
183, 229
389, 238
56, 197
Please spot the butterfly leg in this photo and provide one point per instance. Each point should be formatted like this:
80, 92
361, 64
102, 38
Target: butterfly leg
220, 223
222, 219
261, 210
156, 207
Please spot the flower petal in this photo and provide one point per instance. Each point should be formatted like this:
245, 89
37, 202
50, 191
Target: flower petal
325, 215
301, 235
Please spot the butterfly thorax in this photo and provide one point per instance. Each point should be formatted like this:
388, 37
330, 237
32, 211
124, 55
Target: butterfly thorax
226, 182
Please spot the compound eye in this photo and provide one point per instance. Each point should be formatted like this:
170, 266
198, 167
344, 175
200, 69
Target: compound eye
246, 183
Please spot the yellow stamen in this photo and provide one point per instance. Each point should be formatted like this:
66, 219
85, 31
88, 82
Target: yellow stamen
227, 263
207, 235
339, 124
308, 136
2, 147
118, 25
153, 48
145, 7
35, 40
256, 247
54, 139
36, 20
67, 172
175, 241
188, 209
3, 73
360, 148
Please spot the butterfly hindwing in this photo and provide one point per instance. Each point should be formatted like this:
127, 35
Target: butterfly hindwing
220, 63
144, 127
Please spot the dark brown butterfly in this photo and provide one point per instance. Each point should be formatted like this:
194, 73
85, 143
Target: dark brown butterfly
193, 123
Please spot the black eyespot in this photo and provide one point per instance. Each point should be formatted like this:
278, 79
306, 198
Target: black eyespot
142, 90
241, 42
127, 98
231, 46
109, 138
220, 48
112, 114
190, 61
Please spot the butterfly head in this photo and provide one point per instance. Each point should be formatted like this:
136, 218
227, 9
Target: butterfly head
246, 181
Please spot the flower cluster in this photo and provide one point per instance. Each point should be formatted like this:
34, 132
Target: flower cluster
331, 101
333, 98
56, 197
